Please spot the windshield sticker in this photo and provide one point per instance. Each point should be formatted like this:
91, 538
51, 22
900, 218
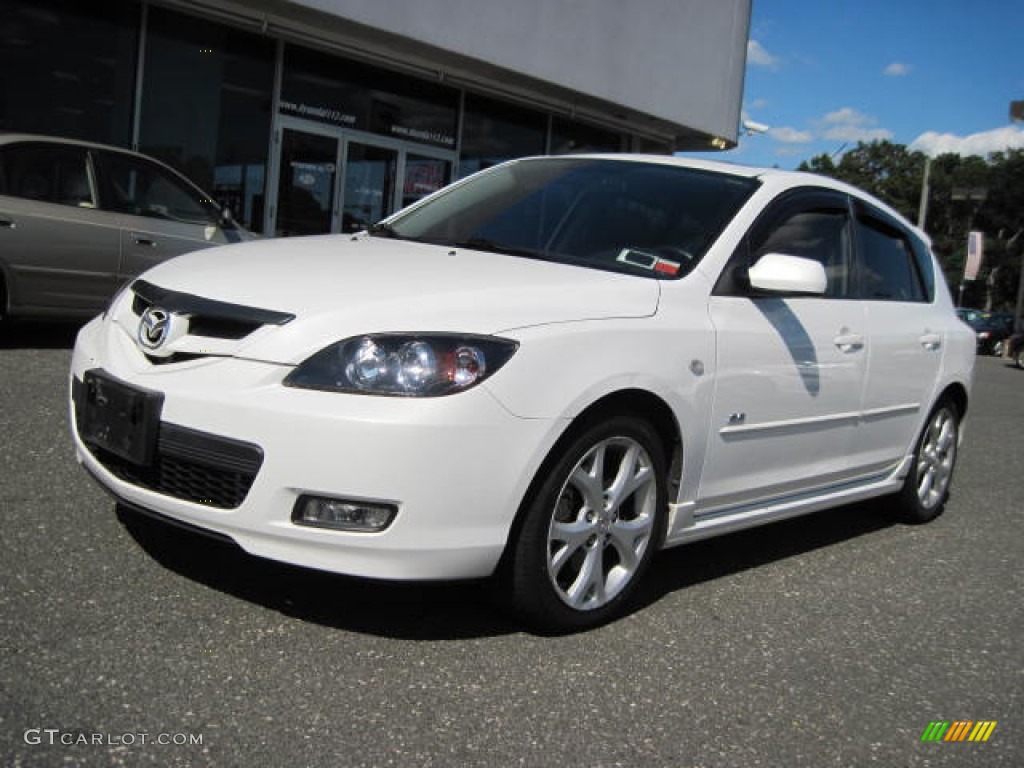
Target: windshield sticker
637, 258
667, 267
645, 260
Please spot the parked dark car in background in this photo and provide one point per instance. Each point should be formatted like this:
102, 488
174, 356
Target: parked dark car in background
991, 328
77, 220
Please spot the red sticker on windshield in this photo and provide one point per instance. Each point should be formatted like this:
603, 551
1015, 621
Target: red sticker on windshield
666, 267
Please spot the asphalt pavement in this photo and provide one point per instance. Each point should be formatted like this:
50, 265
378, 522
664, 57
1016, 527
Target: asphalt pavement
833, 640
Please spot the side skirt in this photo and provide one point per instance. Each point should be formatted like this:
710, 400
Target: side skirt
687, 523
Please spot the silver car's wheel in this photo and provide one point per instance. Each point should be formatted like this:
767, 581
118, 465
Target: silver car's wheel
591, 526
926, 488
602, 523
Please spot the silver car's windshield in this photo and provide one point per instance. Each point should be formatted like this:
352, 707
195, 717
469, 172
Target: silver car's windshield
642, 218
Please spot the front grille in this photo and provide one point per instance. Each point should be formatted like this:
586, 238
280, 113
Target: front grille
192, 466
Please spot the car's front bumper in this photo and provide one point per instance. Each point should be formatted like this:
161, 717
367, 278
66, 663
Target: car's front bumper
456, 467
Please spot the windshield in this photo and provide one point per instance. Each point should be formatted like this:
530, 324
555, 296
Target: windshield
642, 218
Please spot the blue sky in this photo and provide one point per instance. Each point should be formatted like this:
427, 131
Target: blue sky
937, 75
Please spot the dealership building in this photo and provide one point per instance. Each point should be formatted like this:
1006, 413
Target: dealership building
308, 116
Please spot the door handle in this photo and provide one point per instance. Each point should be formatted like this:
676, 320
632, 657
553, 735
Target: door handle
849, 342
931, 341
8, 224
141, 240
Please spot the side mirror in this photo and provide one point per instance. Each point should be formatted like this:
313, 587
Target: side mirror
226, 216
781, 273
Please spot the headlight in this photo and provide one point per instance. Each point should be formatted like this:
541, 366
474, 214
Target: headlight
404, 365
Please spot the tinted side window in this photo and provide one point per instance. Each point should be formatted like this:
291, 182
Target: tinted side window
821, 235
47, 173
810, 223
888, 265
136, 186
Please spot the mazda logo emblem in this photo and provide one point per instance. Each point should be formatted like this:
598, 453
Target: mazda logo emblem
154, 327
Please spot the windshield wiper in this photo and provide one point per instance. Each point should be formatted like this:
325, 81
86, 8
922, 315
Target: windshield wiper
483, 244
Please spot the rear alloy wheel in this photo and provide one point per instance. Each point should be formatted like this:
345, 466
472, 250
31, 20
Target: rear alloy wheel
926, 487
592, 527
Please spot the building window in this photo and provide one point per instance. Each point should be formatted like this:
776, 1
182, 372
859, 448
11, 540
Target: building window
568, 136
328, 89
206, 107
493, 132
68, 68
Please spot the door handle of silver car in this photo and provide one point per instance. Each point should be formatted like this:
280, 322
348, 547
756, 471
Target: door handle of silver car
849, 342
931, 341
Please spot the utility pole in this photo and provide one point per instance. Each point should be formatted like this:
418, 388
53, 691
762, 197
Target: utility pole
922, 211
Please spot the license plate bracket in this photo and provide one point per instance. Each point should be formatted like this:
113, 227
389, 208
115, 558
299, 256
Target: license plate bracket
120, 418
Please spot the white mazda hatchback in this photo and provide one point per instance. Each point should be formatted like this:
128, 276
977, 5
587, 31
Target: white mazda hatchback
543, 373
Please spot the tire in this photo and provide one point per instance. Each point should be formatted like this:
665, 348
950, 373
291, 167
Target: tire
1018, 358
591, 527
926, 488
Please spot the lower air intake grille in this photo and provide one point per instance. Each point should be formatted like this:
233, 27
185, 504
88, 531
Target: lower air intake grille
193, 466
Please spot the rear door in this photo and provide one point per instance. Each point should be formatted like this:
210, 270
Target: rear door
790, 369
59, 252
897, 289
162, 214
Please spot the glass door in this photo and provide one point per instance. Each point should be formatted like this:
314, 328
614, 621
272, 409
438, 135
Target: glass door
424, 176
331, 180
369, 193
307, 183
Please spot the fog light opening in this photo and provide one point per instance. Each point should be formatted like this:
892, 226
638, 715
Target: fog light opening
343, 514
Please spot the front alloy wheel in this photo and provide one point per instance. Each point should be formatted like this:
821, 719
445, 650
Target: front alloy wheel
926, 488
592, 528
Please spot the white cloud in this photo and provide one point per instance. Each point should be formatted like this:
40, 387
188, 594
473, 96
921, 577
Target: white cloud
847, 124
759, 57
897, 69
847, 116
789, 135
934, 143
858, 133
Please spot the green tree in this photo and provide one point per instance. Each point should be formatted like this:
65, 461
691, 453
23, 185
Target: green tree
890, 172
